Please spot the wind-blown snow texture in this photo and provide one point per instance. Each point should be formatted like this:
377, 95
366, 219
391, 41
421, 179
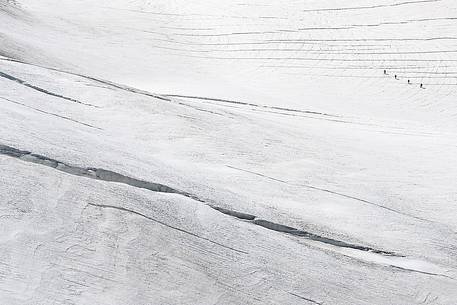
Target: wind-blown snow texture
228, 152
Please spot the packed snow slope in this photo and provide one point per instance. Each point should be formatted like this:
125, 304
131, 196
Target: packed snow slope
228, 152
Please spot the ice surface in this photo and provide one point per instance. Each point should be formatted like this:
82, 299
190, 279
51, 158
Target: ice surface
228, 152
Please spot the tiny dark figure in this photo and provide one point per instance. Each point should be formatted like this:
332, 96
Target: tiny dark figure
422, 86
385, 72
409, 82
395, 76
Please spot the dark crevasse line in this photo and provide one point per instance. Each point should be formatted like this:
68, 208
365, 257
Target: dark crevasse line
199, 109
104, 206
89, 172
321, 59
306, 299
422, 272
121, 87
232, 213
371, 6
110, 176
50, 113
297, 232
248, 104
333, 193
101, 81
24, 83
162, 97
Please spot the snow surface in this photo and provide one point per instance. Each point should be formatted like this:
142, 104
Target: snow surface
280, 110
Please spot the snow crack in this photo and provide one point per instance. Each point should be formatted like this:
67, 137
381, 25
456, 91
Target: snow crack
39, 89
111, 176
